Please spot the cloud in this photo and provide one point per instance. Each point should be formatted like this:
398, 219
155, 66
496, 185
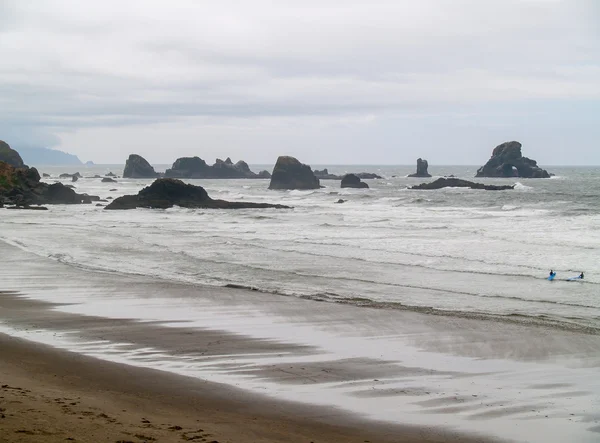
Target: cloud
70, 65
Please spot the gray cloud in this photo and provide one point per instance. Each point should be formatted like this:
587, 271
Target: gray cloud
77, 72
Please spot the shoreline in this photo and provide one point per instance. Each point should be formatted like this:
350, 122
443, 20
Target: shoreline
51, 395
285, 362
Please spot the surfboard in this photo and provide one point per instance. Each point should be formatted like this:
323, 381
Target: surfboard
551, 277
574, 278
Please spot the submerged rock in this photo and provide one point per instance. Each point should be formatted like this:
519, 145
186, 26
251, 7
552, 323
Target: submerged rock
353, 181
108, 180
458, 183
167, 192
508, 161
422, 167
289, 173
136, 166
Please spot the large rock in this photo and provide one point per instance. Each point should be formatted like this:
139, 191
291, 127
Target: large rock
289, 173
422, 166
136, 166
458, 183
508, 161
195, 167
10, 156
167, 192
325, 175
22, 187
188, 167
353, 181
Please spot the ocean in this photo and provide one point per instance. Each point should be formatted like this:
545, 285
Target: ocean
427, 308
451, 251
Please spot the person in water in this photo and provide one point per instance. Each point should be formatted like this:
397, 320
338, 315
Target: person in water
552, 273
581, 276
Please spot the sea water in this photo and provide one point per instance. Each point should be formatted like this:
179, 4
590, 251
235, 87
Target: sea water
451, 251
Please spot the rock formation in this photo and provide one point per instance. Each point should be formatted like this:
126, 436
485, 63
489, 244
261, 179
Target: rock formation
136, 166
195, 167
353, 181
22, 187
507, 161
422, 166
458, 183
289, 173
67, 175
325, 175
108, 180
167, 192
10, 156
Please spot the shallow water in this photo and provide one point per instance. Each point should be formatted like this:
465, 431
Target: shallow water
453, 250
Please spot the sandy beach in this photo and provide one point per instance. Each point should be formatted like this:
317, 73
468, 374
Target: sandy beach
105, 357
48, 395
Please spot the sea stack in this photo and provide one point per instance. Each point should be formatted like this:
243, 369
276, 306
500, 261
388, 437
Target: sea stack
353, 181
137, 166
422, 166
289, 173
508, 161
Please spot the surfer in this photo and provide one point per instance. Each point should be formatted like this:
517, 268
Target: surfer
552, 273
581, 276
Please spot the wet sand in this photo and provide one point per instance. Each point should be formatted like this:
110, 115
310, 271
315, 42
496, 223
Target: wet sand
245, 366
49, 395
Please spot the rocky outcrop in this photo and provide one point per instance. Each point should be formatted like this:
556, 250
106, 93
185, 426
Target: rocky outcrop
188, 167
10, 156
325, 175
422, 167
508, 161
108, 180
289, 173
136, 166
353, 181
195, 167
22, 187
167, 192
458, 183
67, 175
264, 174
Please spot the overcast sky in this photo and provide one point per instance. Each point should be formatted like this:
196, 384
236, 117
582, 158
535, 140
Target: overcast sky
328, 81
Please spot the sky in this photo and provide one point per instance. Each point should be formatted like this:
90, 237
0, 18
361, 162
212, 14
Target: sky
328, 81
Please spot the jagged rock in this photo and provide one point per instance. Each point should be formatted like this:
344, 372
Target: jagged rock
508, 161
108, 180
74, 178
22, 187
110, 174
422, 166
325, 175
352, 181
167, 192
264, 174
195, 167
458, 183
10, 156
136, 166
66, 175
289, 173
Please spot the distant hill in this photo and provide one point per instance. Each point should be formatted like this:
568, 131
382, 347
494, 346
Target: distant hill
47, 157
